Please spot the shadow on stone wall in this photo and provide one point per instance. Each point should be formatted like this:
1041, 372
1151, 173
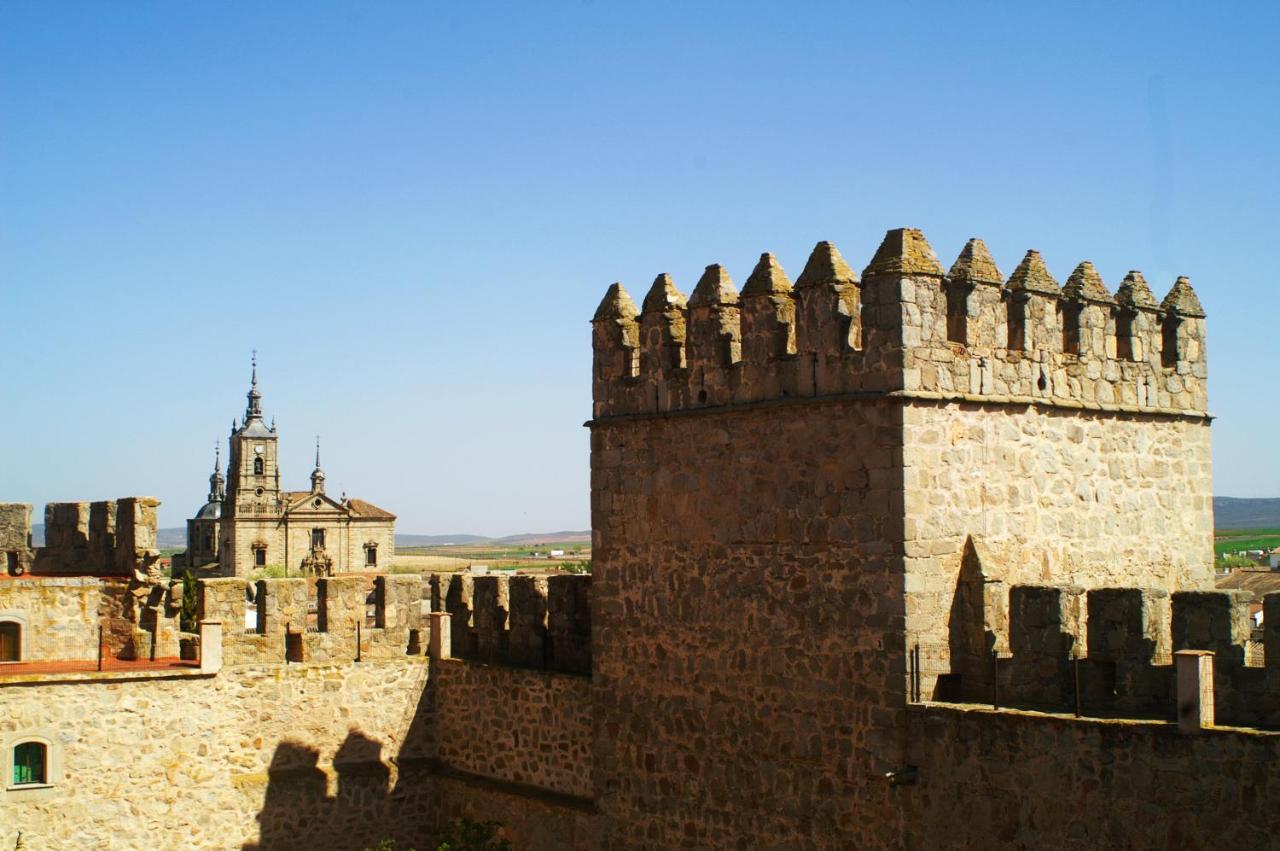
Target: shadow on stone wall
299, 813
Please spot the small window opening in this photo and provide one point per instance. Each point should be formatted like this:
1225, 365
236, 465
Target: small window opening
371, 556
250, 608
1071, 328
30, 764
260, 557
10, 642
317, 539
257, 466
375, 610
957, 314
1124, 335
1017, 324
1169, 341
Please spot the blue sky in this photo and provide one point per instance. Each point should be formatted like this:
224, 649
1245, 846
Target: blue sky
411, 211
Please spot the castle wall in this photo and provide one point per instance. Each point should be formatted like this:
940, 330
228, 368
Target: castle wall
98, 538
331, 739
788, 482
15, 537
1052, 496
285, 756
59, 616
746, 591
526, 727
1028, 780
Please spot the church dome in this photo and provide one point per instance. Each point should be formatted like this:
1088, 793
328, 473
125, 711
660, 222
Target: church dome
210, 511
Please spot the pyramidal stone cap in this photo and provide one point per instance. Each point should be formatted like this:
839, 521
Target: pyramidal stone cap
663, 296
1183, 300
1032, 276
904, 251
975, 265
1134, 292
767, 278
714, 288
825, 267
616, 304
1085, 284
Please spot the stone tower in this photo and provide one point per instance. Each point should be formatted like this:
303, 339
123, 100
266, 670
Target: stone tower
258, 526
254, 499
793, 485
204, 531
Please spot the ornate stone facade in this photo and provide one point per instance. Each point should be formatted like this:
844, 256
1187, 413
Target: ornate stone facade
248, 522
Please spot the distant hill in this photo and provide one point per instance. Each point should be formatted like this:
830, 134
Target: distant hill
564, 537
177, 538
438, 540
1231, 512
166, 539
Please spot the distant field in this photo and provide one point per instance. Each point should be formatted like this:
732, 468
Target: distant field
497, 557
1234, 540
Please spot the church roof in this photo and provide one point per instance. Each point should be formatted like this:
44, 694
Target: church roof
210, 511
360, 508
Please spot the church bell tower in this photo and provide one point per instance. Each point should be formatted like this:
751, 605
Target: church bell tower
253, 486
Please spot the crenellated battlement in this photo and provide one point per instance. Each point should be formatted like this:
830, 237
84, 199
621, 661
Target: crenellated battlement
1038, 646
527, 621
907, 328
104, 538
326, 619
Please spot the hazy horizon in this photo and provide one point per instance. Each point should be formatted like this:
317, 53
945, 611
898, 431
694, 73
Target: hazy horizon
412, 212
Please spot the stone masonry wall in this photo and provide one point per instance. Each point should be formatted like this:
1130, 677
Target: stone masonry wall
15, 537
1050, 496
894, 330
745, 587
791, 483
98, 538
526, 727
59, 616
1025, 780
285, 756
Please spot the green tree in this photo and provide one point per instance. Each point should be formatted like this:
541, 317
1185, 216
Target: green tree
467, 835
188, 617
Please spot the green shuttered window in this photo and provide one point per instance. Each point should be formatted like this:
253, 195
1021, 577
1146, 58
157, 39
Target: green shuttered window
29, 763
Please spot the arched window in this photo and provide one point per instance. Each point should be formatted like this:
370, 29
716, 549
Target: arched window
30, 764
257, 466
10, 641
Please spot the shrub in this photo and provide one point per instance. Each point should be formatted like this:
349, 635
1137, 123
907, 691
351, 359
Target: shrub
467, 835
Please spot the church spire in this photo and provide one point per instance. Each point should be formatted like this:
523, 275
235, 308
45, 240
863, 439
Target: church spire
217, 484
317, 475
254, 409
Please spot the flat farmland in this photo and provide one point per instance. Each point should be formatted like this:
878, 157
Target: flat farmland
1232, 541
448, 558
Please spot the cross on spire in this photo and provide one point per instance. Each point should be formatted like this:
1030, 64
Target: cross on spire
317, 475
254, 409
